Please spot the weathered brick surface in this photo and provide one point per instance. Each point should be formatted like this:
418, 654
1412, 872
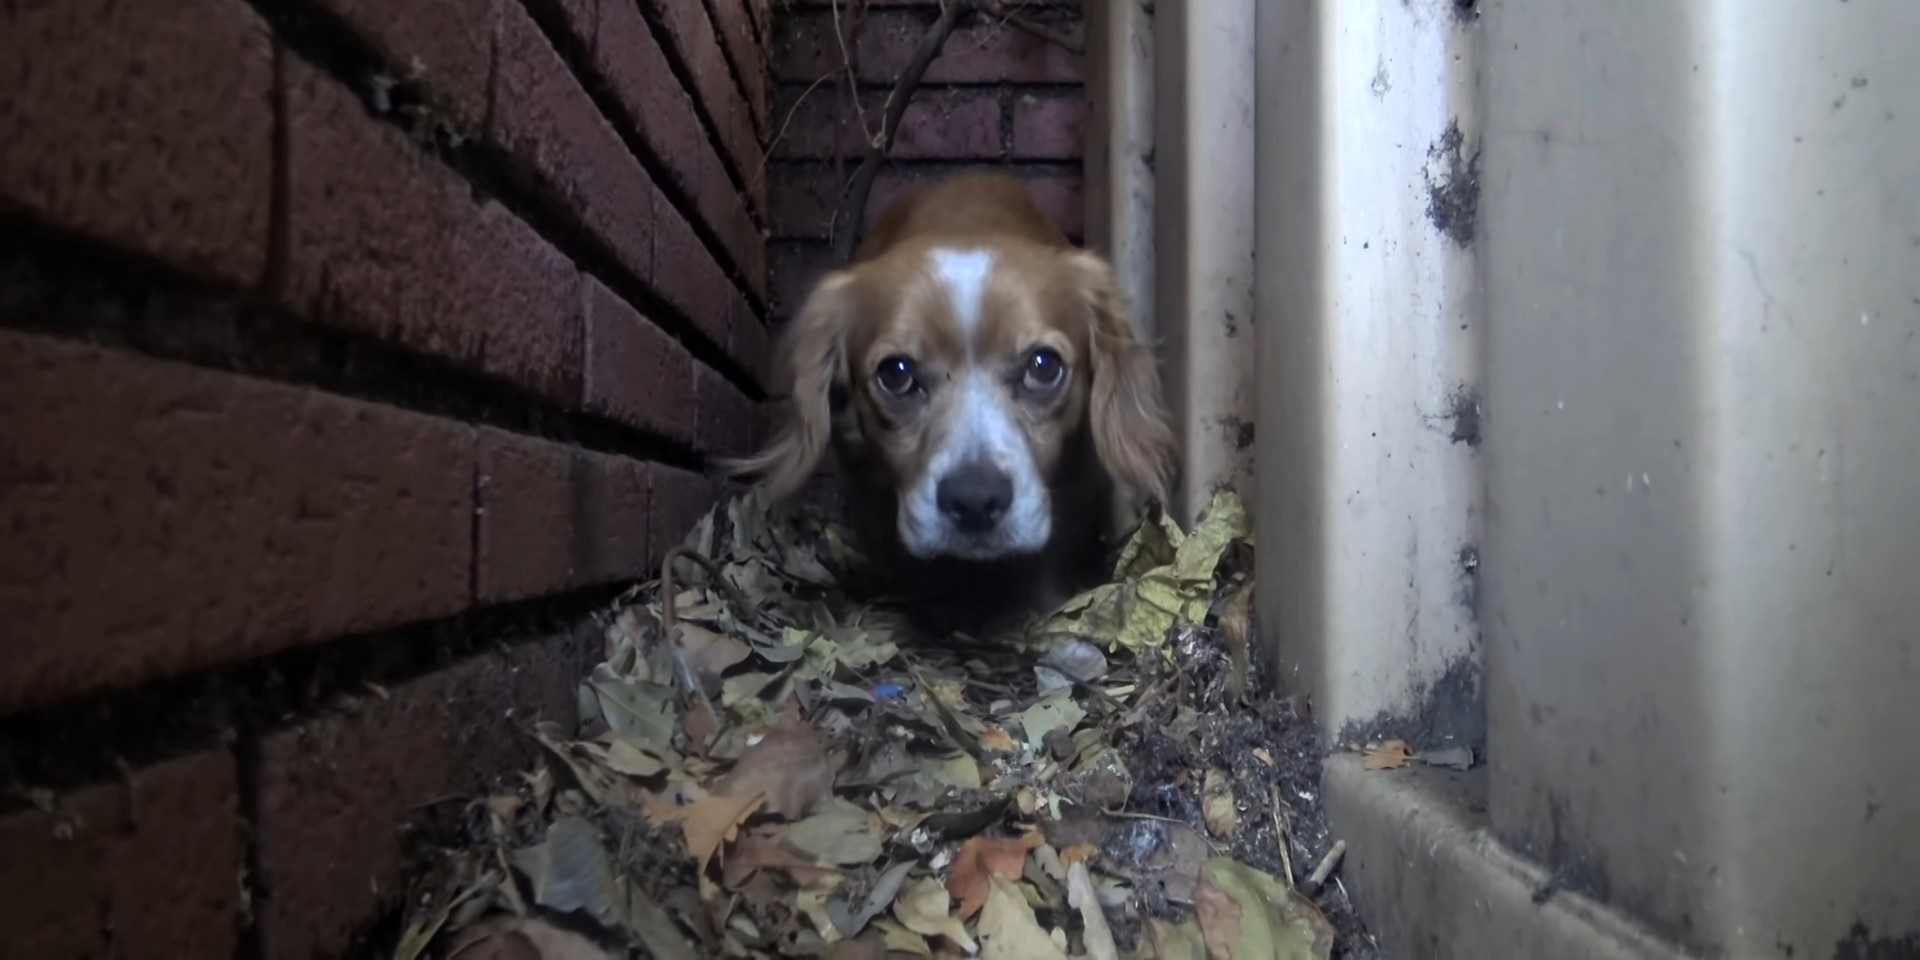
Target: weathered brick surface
612, 499
976, 52
445, 45
558, 140
687, 276
748, 56
626, 59
749, 344
524, 511
680, 499
636, 374
635, 68
167, 518
385, 241
691, 31
553, 517
808, 193
148, 867
726, 415
338, 797
179, 164
1049, 126
955, 124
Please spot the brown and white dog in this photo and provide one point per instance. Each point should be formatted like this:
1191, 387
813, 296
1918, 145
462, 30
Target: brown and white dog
981, 387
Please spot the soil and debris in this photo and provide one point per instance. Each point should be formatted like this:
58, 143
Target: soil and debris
769, 768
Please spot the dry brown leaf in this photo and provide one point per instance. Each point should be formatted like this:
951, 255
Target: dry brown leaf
788, 765
708, 653
761, 850
522, 938
700, 724
981, 859
1078, 852
1249, 914
1390, 755
1217, 805
924, 908
1008, 928
1261, 754
996, 740
706, 823
1082, 897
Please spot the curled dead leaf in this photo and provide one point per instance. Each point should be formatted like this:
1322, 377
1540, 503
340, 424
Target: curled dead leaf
1390, 755
981, 859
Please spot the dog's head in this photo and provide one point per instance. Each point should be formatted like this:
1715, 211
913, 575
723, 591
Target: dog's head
967, 365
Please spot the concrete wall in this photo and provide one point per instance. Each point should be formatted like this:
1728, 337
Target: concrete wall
1589, 409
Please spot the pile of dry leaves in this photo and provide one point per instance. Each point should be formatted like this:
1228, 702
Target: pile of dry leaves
767, 768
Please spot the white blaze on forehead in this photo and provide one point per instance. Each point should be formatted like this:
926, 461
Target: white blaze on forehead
964, 272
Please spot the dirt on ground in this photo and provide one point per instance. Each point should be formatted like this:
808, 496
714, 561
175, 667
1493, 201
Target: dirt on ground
767, 767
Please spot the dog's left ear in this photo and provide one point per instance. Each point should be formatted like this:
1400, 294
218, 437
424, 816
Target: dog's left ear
1132, 433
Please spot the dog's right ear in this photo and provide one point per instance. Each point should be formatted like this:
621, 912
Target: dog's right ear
812, 360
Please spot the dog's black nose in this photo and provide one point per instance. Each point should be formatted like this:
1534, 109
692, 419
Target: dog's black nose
975, 496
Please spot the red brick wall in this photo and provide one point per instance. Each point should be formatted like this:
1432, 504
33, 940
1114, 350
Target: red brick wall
997, 96
351, 353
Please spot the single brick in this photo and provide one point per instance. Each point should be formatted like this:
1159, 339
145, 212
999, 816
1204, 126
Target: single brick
340, 798
168, 518
979, 51
524, 544
960, 124
612, 498
444, 45
146, 125
1049, 126
385, 241
749, 58
636, 374
817, 125
147, 867
558, 141
680, 499
808, 194
726, 415
555, 518
686, 276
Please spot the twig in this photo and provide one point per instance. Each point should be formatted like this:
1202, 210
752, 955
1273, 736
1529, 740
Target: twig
1280, 827
1046, 33
781, 134
668, 616
850, 64
853, 207
1317, 879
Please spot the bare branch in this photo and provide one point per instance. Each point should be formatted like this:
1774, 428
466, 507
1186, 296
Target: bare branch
1044, 32
853, 206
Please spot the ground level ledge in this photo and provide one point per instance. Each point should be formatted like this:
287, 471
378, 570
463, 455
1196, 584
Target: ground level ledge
1431, 881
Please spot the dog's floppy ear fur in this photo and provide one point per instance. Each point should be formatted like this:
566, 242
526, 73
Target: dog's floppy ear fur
1132, 433
814, 352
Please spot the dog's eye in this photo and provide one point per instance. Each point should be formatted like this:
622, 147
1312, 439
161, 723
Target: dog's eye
1045, 370
895, 376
